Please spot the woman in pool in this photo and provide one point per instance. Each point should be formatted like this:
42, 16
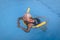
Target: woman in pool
28, 20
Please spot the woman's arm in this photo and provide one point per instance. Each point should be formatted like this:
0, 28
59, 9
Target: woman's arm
26, 29
18, 22
29, 26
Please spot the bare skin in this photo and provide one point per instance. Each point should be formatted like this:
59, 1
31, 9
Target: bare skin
26, 17
25, 29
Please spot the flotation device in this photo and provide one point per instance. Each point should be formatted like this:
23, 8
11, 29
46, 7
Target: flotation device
38, 25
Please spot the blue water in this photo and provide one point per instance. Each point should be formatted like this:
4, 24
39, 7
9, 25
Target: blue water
10, 10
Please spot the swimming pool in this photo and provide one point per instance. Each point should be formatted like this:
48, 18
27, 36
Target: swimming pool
10, 10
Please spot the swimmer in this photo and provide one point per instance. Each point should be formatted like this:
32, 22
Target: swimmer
27, 18
29, 21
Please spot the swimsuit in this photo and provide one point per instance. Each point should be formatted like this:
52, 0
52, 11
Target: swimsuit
36, 21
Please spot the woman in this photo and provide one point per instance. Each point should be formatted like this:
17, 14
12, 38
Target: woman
28, 20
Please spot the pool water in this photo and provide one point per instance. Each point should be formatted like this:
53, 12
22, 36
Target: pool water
10, 10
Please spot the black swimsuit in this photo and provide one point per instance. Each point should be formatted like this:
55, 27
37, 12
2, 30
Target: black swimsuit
37, 21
